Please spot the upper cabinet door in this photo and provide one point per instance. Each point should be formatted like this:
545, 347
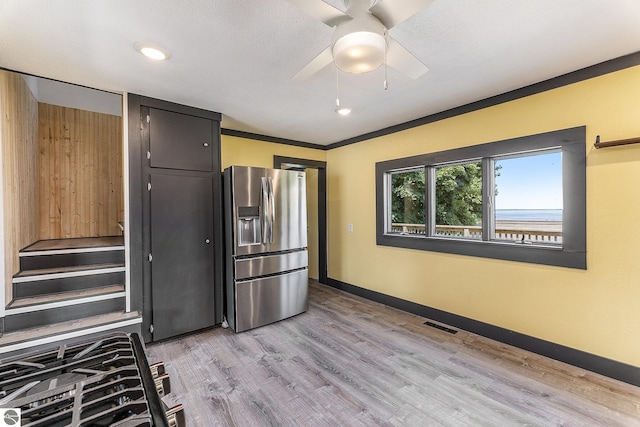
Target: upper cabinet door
180, 141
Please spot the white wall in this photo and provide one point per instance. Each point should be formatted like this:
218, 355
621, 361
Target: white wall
73, 96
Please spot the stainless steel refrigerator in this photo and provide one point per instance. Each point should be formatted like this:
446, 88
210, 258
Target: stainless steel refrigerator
266, 245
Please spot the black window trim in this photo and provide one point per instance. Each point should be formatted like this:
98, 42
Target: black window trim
572, 254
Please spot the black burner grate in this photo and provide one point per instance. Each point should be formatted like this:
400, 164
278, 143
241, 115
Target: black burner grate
91, 383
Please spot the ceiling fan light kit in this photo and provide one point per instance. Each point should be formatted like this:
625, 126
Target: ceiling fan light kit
359, 52
360, 41
359, 44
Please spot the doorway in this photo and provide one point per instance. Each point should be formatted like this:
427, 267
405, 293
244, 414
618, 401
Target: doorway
317, 183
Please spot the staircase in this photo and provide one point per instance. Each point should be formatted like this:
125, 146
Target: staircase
67, 288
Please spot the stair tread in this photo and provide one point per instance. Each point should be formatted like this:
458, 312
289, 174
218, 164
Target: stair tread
65, 296
65, 327
70, 269
75, 243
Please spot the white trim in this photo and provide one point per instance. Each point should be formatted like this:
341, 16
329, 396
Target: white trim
79, 273
65, 336
66, 303
72, 251
125, 175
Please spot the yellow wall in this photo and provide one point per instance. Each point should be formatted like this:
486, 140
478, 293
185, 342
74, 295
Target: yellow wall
594, 310
249, 152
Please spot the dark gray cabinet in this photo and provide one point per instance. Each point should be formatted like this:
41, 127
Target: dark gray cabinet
177, 252
182, 248
180, 141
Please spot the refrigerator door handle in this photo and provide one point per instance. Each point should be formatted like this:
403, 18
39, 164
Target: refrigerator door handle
264, 217
272, 209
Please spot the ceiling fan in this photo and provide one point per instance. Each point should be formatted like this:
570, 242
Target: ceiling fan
360, 42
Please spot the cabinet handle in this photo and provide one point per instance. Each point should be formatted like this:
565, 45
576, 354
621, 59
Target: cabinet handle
206, 144
207, 241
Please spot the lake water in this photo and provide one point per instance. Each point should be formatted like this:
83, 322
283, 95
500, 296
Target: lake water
529, 214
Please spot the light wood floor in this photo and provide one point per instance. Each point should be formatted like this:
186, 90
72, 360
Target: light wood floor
352, 362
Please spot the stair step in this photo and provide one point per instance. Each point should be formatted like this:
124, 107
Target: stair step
62, 272
75, 243
66, 284
32, 316
32, 337
72, 252
53, 259
67, 298
67, 288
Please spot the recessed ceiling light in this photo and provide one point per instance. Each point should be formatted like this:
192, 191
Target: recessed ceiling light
343, 111
152, 51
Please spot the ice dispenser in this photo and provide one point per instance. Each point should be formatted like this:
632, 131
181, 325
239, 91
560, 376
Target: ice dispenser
249, 230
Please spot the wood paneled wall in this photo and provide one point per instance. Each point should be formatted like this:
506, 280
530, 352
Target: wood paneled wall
81, 182
19, 140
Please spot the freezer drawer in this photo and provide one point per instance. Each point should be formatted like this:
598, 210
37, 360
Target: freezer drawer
270, 264
267, 300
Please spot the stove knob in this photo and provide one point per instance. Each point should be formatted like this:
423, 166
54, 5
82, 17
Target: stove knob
163, 384
157, 369
175, 416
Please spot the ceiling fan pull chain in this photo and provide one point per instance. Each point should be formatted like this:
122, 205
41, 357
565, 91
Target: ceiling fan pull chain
386, 49
337, 89
343, 111
386, 83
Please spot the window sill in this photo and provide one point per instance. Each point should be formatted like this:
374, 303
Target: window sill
535, 253
517, 243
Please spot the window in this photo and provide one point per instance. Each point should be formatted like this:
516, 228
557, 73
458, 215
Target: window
522, 199
458, 198
407, 202
528, 198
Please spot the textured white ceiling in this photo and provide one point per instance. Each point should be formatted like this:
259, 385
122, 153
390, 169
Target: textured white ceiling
237, 56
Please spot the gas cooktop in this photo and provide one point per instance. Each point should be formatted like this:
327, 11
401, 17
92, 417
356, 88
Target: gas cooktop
105, 381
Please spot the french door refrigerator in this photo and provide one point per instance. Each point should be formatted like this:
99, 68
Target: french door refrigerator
266, 245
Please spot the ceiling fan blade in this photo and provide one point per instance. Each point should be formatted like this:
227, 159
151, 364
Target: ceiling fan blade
321, 11
402, 60
316, 64
391, 13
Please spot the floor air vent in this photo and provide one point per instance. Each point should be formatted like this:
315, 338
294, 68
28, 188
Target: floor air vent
442, 328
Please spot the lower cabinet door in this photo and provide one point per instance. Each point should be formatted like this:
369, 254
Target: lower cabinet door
182, 276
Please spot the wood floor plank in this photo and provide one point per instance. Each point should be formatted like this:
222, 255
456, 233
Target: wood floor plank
353, 362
